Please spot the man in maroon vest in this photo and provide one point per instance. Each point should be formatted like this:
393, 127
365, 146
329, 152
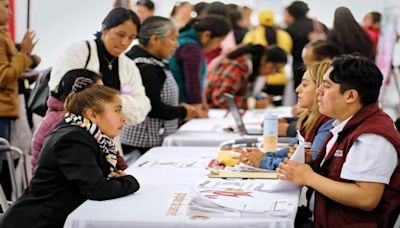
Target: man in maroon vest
356, 176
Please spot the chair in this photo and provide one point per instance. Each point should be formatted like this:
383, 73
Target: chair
11, 153
3, 200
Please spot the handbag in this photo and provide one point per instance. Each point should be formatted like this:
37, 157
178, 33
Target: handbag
37, 102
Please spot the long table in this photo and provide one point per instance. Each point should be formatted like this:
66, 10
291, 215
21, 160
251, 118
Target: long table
210, 132
167, 175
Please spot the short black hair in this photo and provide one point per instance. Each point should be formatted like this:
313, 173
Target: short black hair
200, 8
275, 54
217, 8
376, 16
298, 9
359, 73
146, 3
118, 16
272, 54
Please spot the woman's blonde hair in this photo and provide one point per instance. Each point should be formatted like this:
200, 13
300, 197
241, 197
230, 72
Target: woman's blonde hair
308, 118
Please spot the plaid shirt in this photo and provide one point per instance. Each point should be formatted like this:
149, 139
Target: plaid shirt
230, 76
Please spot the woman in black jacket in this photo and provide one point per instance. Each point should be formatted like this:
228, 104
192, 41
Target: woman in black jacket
77, 161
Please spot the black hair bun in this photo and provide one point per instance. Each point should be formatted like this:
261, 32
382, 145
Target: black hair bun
81, 84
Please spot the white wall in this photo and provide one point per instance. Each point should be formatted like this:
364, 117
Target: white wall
324, 10
61, 22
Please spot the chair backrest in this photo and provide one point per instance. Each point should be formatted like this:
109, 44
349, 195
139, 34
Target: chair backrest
3, 200
10, 154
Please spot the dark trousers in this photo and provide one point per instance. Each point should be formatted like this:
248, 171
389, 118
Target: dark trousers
5, 127
4, 171
303, 218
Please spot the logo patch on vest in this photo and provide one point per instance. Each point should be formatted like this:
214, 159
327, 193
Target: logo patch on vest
338, 153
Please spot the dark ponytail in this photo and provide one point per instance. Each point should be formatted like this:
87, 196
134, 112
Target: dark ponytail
270, 35
217, 25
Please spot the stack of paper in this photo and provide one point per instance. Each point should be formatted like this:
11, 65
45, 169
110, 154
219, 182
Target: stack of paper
242, 170
227, 198
241, 167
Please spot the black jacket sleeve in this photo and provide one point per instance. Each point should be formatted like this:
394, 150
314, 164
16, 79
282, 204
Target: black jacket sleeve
77, 158
153, 79
291, 130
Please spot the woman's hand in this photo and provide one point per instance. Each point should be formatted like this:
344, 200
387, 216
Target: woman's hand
191, 111
282, 128
28, 43
252, 157
119, 173
263, 102
202, 111
296, 110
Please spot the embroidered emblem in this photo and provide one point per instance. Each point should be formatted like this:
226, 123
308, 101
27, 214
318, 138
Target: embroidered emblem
338, 153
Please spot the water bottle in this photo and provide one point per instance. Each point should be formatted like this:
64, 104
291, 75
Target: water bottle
270, 133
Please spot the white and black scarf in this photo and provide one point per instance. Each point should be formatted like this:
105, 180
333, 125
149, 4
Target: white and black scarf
106, 143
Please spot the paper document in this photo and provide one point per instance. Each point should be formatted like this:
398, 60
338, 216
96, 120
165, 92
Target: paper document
282, 185
247, 168
233, 198
171, 164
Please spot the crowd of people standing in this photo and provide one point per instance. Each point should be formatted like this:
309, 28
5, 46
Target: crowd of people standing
142, 76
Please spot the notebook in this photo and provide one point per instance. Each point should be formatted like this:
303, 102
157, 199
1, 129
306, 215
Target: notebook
238, 118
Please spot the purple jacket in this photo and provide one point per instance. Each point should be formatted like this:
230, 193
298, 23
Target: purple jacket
50, 120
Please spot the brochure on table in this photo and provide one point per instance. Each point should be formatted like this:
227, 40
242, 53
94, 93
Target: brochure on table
237, 198
282, 185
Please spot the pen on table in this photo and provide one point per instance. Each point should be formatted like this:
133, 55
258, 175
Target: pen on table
226, 113
305, 150
143, 163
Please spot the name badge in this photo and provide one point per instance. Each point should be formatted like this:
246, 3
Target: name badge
338, 153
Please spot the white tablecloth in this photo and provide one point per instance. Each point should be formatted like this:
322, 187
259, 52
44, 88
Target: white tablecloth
212, 139
210, 132
152, 205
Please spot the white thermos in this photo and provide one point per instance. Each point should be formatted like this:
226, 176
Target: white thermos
270, 133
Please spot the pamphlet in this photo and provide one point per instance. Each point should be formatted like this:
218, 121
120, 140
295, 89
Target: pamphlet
282, 185
239, 199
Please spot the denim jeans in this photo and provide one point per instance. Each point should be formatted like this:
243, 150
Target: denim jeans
5, 127
4, 179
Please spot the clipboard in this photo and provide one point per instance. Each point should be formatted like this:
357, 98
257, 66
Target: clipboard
249, 175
